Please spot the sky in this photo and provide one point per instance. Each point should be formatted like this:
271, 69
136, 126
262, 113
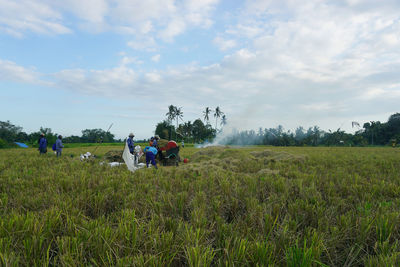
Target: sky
72, 65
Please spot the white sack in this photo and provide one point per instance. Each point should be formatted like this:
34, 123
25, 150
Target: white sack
130, 160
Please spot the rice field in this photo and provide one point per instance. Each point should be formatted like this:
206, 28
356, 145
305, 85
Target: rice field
252, 206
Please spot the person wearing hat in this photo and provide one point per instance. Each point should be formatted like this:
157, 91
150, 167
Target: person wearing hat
42, 144
131, 143
59, 146
151, 141
155, 141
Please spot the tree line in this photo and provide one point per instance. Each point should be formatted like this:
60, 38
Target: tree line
197, 131
10, 133
201, 130
372, 133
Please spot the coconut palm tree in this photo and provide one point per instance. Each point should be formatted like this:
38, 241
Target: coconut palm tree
178, 116
223, 120
171, 116
217, 114
187, 129
206, 114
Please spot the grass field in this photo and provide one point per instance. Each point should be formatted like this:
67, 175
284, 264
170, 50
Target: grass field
227, 206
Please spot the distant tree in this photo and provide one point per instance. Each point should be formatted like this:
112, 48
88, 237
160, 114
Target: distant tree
171, 116
316, 135
163, 129
202, 132
206, 114
376, 132
299, 135
50, 136
3, 144
9, 131
393, 128
187, 129
96, 136
72, 139
178, 116
224, 121
22, 136
217, 114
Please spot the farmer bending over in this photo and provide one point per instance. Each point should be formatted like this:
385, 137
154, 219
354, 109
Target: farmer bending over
151, 152
131, 143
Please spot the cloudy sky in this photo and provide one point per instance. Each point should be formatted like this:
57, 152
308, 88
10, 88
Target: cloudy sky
72, 65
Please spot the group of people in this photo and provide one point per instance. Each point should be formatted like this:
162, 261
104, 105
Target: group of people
57, 147
150, 151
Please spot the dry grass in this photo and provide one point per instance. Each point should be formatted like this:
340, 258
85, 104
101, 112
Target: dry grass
228, 206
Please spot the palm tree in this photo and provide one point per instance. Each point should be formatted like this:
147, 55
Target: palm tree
217, 113
171, 116
206, 114
189, 128
178, 115
223, 120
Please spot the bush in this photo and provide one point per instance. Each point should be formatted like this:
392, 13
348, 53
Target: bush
3, 144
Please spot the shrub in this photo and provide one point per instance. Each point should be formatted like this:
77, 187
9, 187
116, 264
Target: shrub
3, 143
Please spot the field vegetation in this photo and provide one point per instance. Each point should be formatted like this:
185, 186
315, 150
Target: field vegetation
253, 206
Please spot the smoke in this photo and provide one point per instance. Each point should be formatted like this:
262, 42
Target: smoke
236, 132
231, 135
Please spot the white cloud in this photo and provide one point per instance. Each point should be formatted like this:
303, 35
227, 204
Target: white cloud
391, 91
174, 28
110, 82
34, 16
152, 77
125, 60
10, 71
292, 64
146, 44
92, 11
223, 44
149, 19
156, 58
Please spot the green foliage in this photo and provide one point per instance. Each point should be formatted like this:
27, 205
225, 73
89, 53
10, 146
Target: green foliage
253, 206
164, 130
196, 132
96, 136
9, 132
201, 132
3, 144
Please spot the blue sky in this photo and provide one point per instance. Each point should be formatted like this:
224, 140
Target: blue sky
72, 65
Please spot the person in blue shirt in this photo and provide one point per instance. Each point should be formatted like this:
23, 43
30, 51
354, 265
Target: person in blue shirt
151, 153
59, 146
155, 141
42, 144
131, 143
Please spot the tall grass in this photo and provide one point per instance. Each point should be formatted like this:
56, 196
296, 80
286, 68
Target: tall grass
232, 207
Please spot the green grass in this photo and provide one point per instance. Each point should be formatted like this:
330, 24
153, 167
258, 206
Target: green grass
75, 145
287, 206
